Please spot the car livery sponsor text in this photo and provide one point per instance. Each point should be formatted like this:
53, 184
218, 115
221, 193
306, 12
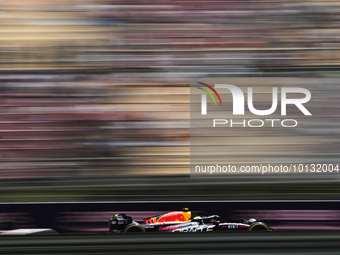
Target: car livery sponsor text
195, 229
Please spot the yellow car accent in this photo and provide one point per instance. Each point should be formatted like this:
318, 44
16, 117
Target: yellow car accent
187, 215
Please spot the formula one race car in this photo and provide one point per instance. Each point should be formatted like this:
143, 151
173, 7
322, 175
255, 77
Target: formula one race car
180, 221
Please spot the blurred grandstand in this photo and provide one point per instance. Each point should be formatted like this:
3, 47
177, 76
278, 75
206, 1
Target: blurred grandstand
95, 95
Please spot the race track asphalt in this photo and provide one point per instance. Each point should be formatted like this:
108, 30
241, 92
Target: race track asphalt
285, 242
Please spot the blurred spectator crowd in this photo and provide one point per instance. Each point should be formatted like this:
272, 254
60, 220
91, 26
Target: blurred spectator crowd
102, 87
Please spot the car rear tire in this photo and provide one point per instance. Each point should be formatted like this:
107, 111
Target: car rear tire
133, 227
258, 226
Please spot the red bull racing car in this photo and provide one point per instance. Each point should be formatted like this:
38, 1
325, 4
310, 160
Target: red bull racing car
181, 221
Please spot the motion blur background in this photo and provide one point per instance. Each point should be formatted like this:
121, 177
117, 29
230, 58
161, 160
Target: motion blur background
94, 95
